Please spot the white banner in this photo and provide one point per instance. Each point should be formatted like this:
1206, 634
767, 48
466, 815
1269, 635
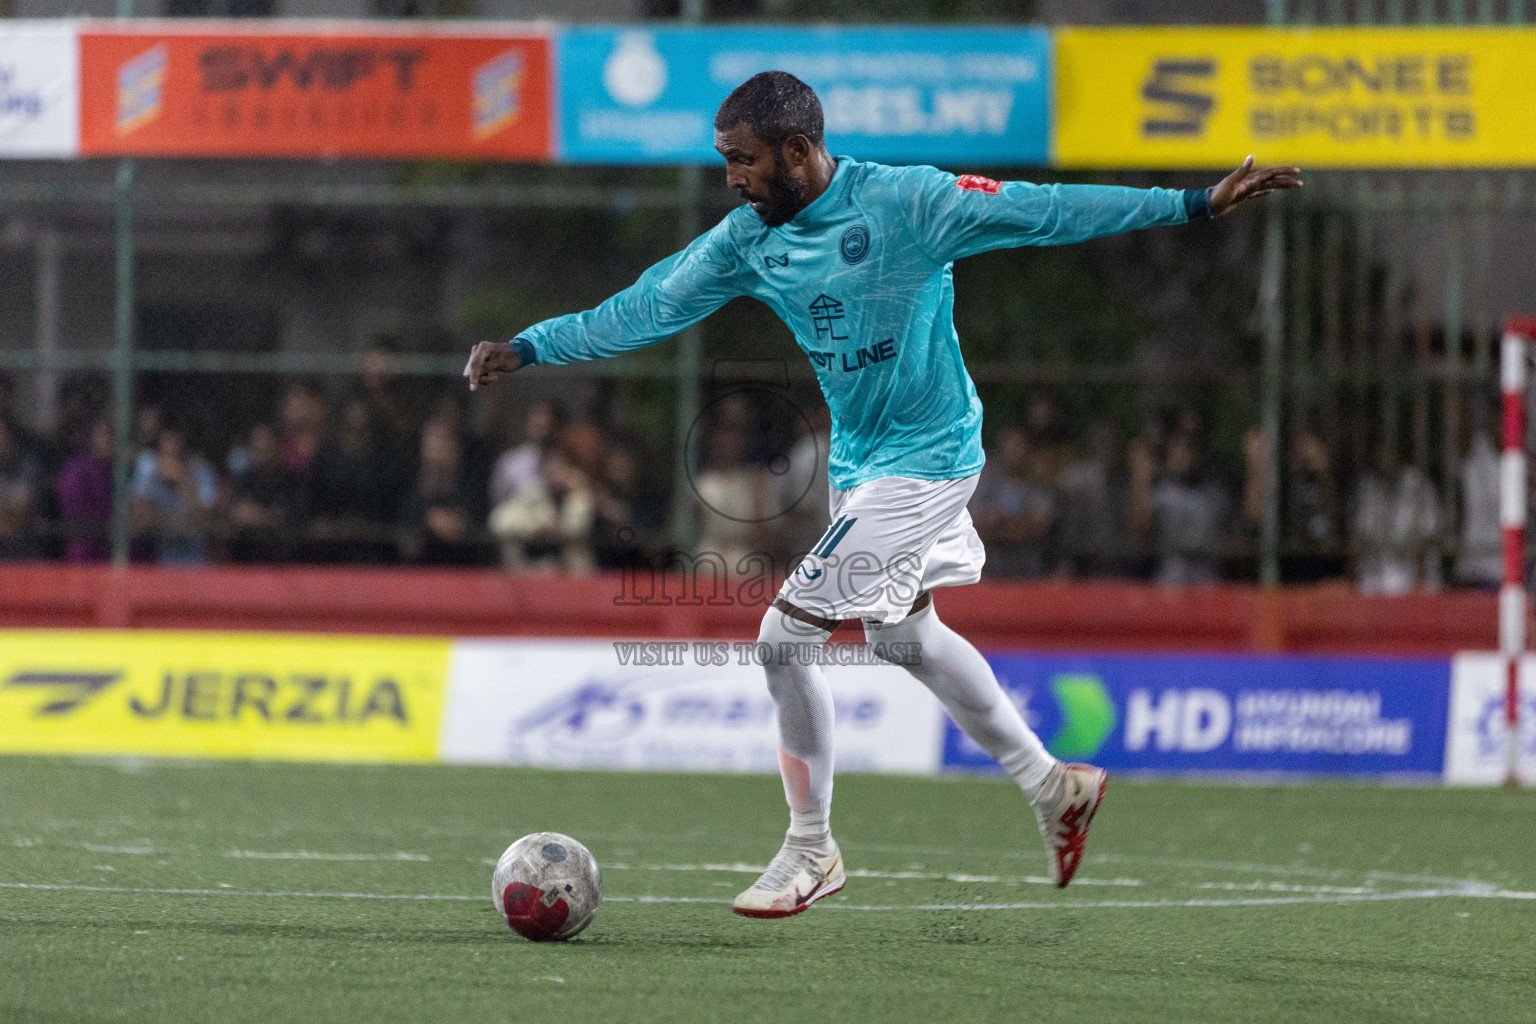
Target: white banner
666, 705
39, 89
1474, 742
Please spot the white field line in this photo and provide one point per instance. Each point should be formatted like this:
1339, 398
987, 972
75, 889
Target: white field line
740, 868
1254, 901
1273, 869
310, 855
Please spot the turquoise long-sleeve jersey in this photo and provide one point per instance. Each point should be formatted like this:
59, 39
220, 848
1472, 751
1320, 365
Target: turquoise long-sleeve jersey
863, 277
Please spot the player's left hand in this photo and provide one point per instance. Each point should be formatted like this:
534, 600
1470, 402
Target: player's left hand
1249, 182
489, 360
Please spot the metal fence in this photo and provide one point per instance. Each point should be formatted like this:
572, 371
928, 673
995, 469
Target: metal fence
1372, 304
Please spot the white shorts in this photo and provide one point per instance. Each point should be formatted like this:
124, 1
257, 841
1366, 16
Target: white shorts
890, 539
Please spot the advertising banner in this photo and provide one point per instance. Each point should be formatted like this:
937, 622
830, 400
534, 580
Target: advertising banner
905, 95
1226, 714
668, 705
1474, 745
39, 89
227, 695
1345, 97
294, 91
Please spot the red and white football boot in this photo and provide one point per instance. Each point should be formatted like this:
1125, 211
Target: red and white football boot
799, 876
1068, 802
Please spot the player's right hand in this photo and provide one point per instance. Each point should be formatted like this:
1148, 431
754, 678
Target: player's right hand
489, 360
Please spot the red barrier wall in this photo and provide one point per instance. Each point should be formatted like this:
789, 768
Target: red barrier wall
1098, 616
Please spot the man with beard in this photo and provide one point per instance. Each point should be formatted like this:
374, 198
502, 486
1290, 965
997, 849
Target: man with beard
856, 258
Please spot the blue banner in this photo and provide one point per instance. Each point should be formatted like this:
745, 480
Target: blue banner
1226, 714
900, 95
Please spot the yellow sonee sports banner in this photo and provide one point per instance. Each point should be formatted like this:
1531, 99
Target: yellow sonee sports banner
1206, 98
236, 695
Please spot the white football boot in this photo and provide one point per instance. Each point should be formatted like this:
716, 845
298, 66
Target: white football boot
1068, 802
799, 876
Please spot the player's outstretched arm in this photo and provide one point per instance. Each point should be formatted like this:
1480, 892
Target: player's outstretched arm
681, 290
955, 217
1250, 182
489, 360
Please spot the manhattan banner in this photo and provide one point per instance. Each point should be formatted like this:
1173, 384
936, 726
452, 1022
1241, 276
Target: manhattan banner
1238, 714
966, 95
293, 90
1206, 98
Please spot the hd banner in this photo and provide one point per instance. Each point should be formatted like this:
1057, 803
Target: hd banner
224, 695
1206, 98
904, 95
1233, 714
219, 89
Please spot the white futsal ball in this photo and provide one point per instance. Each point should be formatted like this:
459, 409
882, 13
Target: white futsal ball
547, 886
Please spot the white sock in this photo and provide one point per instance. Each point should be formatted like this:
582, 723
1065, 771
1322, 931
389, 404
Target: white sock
804, 704
946, 663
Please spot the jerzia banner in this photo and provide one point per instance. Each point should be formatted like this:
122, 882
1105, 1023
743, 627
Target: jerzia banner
356, 91
270, 696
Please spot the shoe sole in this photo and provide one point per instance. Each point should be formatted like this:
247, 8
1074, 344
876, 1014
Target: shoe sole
773, 915
1098, 799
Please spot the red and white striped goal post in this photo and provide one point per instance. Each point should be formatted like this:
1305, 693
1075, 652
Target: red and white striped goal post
1514, 358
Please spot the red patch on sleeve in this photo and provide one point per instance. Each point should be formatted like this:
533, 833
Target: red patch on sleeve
976, 183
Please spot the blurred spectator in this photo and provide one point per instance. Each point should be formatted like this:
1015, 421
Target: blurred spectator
1397, 527
518, 467
390, 405
146, 438
1047, 431
616, 542
175, 494
475, 457
801, 489
85, 496
1479, 563
732, 496
1095, 495
266, 503
1312, 515
441, 510
357, 487
548, 524
1014, 508
19, 481
1180, 505
303, 430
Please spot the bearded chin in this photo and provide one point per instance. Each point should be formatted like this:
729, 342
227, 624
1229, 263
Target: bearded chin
786, 197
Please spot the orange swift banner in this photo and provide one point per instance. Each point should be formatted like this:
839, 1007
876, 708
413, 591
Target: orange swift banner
287, 91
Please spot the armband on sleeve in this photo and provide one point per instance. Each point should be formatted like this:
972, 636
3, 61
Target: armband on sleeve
1197, 203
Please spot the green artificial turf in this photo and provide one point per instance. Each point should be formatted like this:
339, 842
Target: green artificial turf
88, 951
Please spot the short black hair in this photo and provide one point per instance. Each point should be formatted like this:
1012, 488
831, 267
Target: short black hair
776, 106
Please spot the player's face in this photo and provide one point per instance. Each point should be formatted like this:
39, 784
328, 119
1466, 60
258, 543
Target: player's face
772, 182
